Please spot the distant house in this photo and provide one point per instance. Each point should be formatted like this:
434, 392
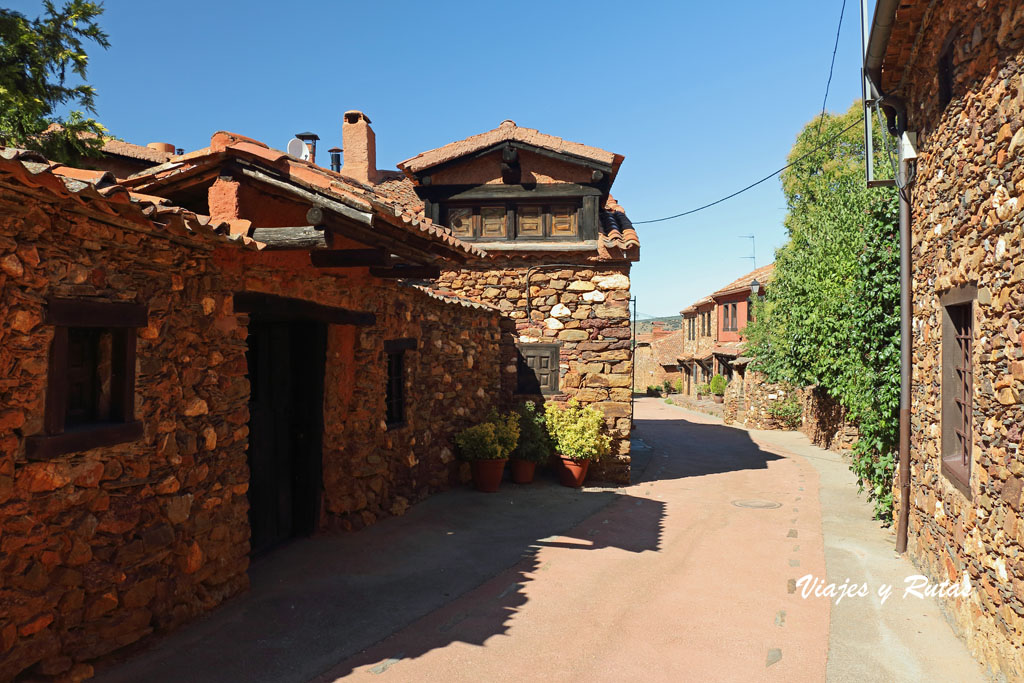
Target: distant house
657, 358
713, 329
953, 74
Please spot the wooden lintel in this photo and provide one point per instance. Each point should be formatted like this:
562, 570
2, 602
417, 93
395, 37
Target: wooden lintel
86, 313
270, 307
348, 258
300, 237
413, 272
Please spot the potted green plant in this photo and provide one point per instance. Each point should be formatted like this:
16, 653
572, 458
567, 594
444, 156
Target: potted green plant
534, 446
703, 389
577, 434
717, 388
486, 447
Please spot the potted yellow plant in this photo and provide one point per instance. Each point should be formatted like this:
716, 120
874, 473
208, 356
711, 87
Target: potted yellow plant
577, 433
486, 447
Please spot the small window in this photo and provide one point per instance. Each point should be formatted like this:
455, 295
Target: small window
945, 74
394, 389
735, 317
90, 394
394, 400
957, 392
537, 368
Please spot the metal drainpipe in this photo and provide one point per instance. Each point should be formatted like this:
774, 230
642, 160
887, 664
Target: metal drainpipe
906, 343
896, 115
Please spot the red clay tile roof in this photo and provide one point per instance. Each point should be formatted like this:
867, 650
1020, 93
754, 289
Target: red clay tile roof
453, 297
390, 204
617, 230
910, 16
727, 348
762, 275
97, 193
668, 348
127, 149
692, 308
508, 131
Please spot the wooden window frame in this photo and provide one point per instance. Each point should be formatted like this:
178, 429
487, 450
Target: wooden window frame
512, 233
395, 408
957, 402
119, 319
554, 351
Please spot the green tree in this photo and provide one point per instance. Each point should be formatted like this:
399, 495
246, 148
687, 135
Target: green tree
35, 89
831, 314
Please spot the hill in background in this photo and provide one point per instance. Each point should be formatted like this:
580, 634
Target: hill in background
671, 322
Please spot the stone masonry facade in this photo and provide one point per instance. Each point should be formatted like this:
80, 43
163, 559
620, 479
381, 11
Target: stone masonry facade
103, 546
967, 234
99, 548
583, 308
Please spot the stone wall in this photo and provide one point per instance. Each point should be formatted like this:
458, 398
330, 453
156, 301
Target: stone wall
98, 548
825, 421
586, 309
452, 378
758, 395
966, 231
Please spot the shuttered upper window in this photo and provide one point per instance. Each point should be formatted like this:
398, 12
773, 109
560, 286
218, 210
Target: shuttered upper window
514, 220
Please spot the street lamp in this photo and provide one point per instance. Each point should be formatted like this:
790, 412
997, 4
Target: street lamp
755, 287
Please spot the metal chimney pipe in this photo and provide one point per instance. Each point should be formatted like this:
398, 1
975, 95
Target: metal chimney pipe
335, 153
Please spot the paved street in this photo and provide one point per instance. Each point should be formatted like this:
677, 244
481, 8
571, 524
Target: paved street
686, 575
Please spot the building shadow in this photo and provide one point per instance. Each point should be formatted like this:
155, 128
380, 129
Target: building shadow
453, 569
690, 448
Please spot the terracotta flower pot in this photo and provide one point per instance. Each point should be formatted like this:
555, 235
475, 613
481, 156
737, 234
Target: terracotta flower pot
487, 474
719, 399
523, 471
573, 472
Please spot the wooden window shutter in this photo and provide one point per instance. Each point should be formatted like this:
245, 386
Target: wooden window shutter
538, 368
493, 221
563, 221
460, 220
531, 221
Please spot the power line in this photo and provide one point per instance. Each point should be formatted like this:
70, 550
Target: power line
828, 84
832, 66
755, 184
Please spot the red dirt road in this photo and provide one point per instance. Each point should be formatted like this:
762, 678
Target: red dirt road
670, 582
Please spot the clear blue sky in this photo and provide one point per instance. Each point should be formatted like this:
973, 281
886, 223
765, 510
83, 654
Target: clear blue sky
701, 98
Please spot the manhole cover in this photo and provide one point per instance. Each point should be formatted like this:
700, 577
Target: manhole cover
757, 504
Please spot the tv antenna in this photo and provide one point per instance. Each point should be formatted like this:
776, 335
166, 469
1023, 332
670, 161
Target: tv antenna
753, 251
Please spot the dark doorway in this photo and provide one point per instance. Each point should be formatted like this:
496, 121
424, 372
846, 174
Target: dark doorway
286, 374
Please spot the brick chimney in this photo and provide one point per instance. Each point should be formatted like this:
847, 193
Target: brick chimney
360, 147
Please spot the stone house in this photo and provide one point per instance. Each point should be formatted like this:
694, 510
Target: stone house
175, 398
559, 250
235, 347
714, 327
953, 73
657, 360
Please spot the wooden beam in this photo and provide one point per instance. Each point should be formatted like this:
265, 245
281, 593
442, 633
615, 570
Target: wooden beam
531, 192
403, 344
270, 307
46, 446
85, 313
300, 237
414, 272
348, 258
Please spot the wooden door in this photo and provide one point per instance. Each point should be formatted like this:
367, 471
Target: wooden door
286, 374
